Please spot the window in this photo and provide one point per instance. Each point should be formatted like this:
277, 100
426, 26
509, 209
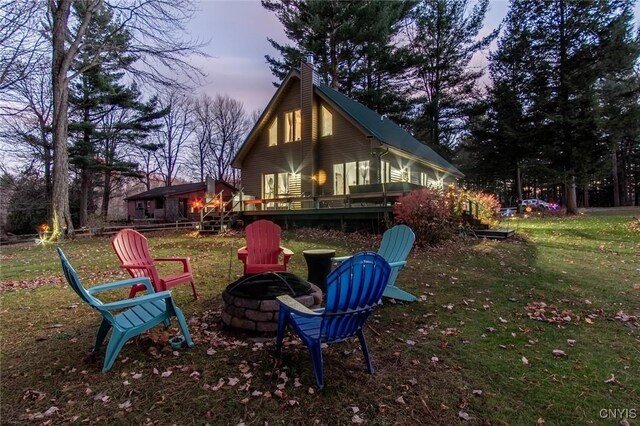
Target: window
385, 172
269, 186
423, 179
338, 179
352, 173
405, 174
293, 126
273, 133
363, 169
326, 122
159, 203
283, 184
435, 183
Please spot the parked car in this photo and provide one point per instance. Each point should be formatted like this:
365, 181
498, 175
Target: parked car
535, 203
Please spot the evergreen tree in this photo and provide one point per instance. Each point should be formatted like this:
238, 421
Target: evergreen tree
443, 38
353, 44
107, 113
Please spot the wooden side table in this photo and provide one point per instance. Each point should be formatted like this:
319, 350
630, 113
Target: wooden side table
319, 266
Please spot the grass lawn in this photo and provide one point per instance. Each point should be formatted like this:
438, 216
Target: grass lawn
478, 347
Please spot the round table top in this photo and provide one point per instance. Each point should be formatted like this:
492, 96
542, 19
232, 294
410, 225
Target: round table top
319, 252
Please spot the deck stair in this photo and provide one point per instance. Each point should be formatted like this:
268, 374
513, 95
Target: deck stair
479, 229
216, 214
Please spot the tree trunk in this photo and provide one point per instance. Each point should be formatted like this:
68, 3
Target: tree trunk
519, 187
106, 194
585, 196
572, 205
61, 220
614, 173
85, 185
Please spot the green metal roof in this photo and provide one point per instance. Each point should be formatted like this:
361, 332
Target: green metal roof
385, 130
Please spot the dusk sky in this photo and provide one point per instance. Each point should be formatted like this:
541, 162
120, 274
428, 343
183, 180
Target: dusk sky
238, 31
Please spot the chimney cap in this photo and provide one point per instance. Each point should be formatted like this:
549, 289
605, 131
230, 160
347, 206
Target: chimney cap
309, 58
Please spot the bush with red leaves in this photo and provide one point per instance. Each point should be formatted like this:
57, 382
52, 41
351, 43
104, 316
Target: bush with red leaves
429, 213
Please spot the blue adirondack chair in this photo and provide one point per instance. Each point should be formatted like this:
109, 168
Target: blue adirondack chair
136, 315
354, 289
395, 247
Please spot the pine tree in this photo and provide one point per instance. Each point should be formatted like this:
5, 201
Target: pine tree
107, 113
353, 44
443, 38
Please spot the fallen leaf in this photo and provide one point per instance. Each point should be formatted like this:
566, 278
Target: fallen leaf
357, 419
355, 410
464, 415
137, 376
410, 342
125, 405
558, 352
233, 381
611, 379
571, 342
293, 402
211, 351
476, 392
166, 373
540, 421
525, 361
400, 400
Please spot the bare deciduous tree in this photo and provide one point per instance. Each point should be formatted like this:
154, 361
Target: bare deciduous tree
200, 148
19, 43
176, 133
152, 25
230, 125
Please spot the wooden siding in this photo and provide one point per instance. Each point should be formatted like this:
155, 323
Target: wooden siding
282, 158
346, 144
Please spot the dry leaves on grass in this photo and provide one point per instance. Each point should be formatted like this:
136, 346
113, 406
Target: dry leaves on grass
631, 321
540, 311
11, 285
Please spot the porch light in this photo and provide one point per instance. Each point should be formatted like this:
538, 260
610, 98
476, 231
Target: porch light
197, 204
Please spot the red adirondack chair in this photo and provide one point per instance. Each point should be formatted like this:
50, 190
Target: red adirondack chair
262, 252
133, 252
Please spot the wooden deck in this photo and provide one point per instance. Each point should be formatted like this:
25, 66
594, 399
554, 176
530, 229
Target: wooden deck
362, 218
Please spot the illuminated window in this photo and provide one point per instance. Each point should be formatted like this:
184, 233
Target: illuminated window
405, 174
273, 133
385, 172
363, 169
293, 126
338, 179
283, 184
348, 174
269, 186
326, 122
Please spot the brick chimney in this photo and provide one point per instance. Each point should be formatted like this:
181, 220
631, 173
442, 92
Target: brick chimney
309, 106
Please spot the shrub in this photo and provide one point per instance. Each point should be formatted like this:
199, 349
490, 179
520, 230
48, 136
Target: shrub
488, 206
429, 213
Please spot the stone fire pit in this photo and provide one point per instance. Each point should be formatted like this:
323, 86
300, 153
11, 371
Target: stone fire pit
249, 302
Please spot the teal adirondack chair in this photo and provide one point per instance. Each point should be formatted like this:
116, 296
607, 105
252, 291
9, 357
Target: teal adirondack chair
395, 247
136, 315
